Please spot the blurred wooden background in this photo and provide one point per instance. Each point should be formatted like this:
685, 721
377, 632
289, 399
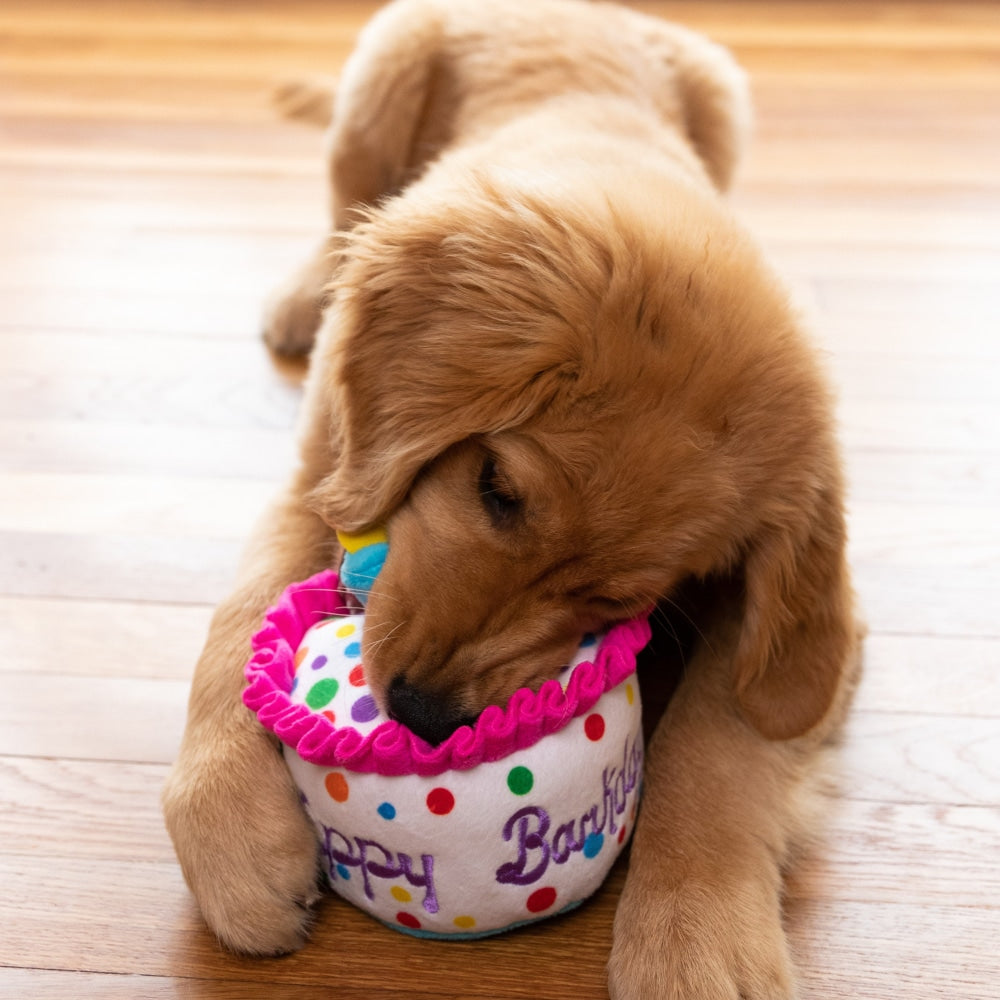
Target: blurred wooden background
149, 198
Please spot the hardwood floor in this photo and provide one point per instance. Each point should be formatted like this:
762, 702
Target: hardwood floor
150, 197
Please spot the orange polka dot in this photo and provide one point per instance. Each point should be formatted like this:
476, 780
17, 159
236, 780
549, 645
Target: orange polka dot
336, 786
301, 654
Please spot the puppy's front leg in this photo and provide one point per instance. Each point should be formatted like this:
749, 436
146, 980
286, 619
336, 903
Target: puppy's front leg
246, 848
700, 915
294, 311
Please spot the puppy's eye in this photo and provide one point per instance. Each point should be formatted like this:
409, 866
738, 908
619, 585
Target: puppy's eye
501, 503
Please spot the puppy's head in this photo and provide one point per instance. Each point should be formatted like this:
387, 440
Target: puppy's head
560, 409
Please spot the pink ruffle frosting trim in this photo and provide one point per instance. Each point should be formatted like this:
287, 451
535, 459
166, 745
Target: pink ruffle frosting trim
391, 748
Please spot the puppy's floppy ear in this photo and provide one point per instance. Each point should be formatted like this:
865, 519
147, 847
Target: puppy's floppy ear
435, 337
798, 631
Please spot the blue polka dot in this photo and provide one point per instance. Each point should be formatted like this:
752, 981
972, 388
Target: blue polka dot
295, 684
593, 844
352, 649
343, 872
387, 810
588, 640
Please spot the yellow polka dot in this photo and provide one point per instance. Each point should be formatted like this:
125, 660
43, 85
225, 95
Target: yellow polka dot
629, 693
465, 923
345, 630
400, 894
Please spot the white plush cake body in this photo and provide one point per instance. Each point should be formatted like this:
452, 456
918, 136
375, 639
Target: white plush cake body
468, 852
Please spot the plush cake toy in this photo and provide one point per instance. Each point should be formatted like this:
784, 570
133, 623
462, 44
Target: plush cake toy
517, 818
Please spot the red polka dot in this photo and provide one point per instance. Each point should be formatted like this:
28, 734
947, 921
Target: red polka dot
593, 726
541, 899
621, 836
329, 714
357, 676
440, 801
407, 920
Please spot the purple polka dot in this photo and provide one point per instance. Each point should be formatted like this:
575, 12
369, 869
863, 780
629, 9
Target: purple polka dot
319, 663
364, 709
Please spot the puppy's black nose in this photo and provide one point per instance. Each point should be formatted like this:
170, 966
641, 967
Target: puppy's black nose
428, 715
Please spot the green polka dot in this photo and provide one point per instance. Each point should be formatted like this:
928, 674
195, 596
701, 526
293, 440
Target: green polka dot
520, 780
322, 693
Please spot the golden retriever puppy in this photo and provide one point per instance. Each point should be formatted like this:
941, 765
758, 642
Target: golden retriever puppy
559, 372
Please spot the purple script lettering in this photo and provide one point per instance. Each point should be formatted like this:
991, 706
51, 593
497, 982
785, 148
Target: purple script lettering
530, 825
356, 853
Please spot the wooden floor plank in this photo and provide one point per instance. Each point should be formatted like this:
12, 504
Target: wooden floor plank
50, 984
102, 718
82, 809
48, 636
117, 567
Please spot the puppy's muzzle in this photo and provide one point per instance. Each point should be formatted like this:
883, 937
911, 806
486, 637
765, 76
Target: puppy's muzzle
429, 715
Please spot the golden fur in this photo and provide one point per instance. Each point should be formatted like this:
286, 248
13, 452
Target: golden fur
558, 370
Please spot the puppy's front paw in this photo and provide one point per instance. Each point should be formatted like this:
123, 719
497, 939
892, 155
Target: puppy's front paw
292, 318
246, 847
699, 942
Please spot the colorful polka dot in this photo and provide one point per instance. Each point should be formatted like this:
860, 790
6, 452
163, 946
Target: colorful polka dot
520, 780
346, 630
352, 649
387, 810
408, 920
588, 640
330, 714
541, 899
295, 684
343, 872
300, 654
621, 836
357, 676
593, 844
318, 663
322, 693
629, 693
440, 801
364, 709
593, 726
400, 894
336, 786
464, 923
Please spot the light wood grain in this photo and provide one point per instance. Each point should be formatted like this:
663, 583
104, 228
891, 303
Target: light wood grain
151, 199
